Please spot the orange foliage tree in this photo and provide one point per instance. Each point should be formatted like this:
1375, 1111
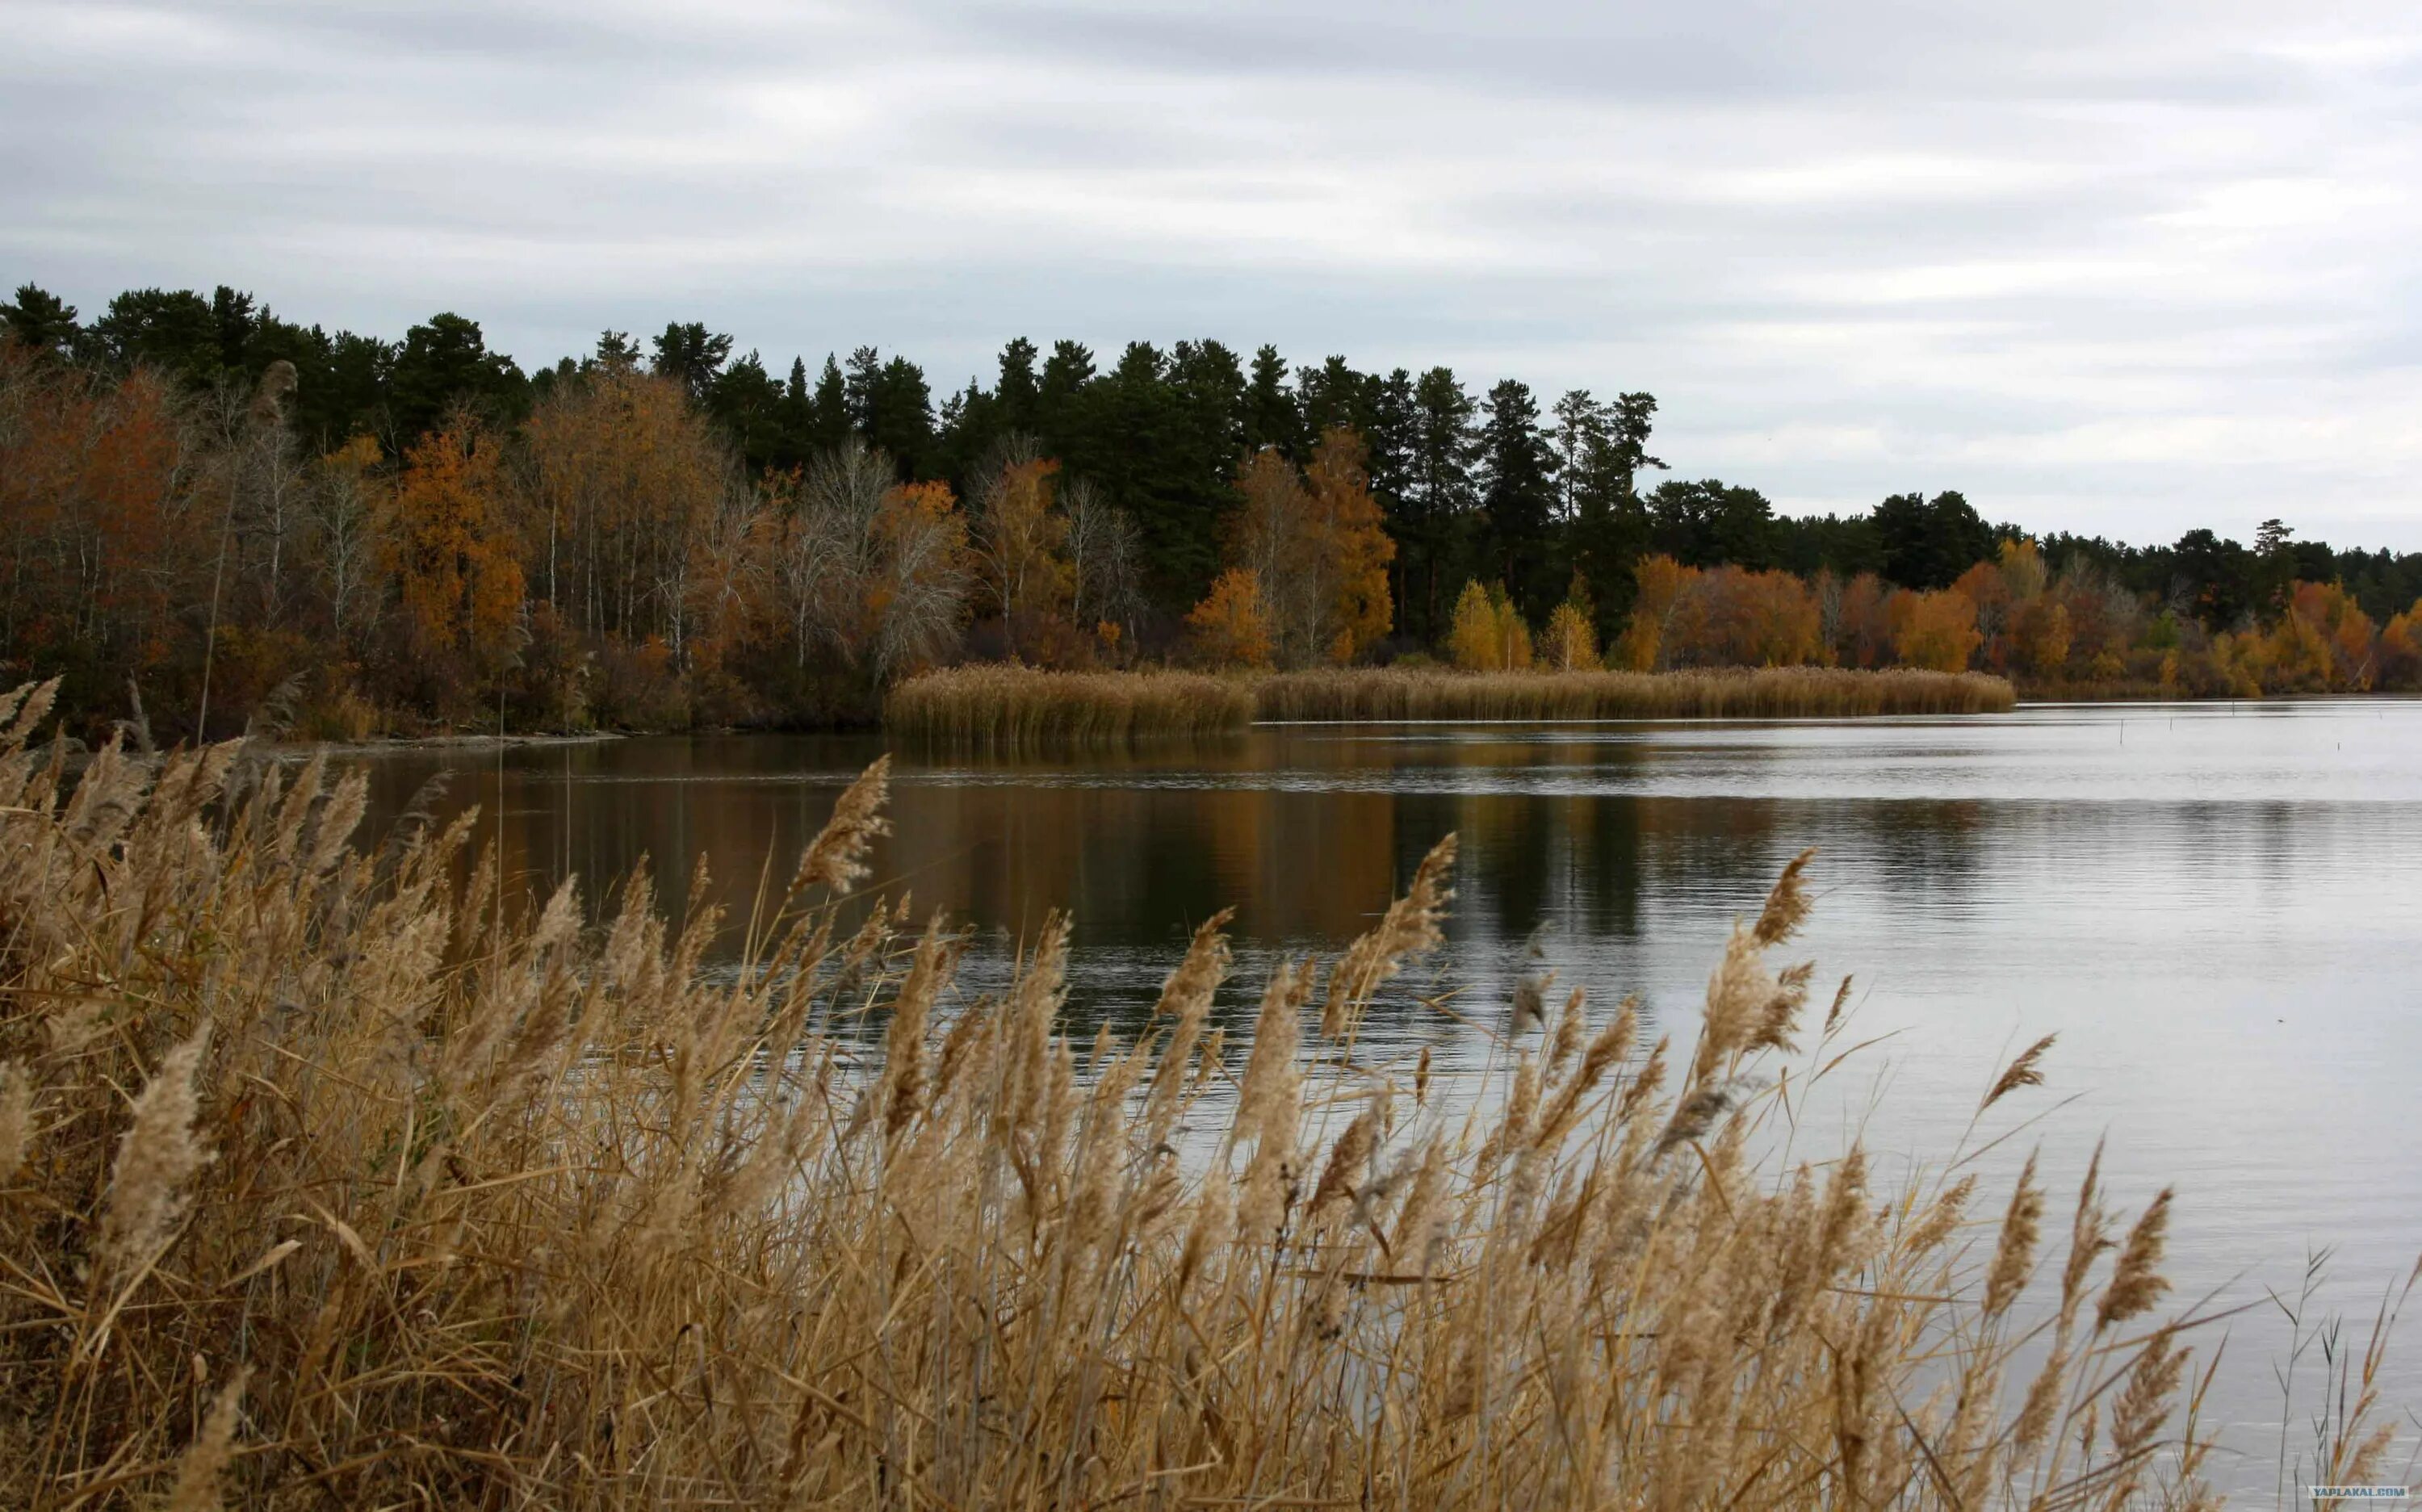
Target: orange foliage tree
1855, 628
1935, 629
1658, 582
101, 542
1722, 616
2401, 650
2322, 643
1317, 547
2038, 637
451, 544
1757, 619
1231, 627
1349, 536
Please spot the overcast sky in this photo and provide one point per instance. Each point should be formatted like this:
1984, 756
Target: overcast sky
2123, 268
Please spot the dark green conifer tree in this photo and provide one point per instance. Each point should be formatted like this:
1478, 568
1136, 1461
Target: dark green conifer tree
39, 321
693, 356
1517, 499
443, 363
1438, 501
1271, 416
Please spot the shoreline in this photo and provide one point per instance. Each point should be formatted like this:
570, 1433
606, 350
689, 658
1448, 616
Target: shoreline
997, 705
485, 741
1112, 685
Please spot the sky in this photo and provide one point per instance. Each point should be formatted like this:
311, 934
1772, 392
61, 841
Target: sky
2120, 269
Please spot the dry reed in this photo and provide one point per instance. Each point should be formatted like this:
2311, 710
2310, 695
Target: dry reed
995, 707
1743, 693
442, 1208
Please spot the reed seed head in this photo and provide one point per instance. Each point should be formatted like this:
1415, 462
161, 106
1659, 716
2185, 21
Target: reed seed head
2014, 1253
198, 1468
156, 1157
836, 858
2025, 1071
1786, 906
2136, 1280
1409, 928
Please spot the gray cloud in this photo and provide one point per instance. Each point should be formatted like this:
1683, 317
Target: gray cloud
2122, 268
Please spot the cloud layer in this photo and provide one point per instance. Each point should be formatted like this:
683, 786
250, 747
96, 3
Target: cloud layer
2115, 272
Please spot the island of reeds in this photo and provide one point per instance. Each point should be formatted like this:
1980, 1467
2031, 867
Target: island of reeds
1019, 707
207, 509
326, 1179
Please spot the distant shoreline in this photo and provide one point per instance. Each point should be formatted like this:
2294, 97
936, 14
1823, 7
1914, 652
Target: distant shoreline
378, 744
1010, 706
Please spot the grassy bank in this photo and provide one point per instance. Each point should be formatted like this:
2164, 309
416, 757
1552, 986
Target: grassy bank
1769, 692
1015, 707
994, 707
321, 1184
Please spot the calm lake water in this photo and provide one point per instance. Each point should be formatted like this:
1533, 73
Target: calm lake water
2217, 908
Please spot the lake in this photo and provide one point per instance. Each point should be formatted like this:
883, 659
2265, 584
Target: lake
2217, 908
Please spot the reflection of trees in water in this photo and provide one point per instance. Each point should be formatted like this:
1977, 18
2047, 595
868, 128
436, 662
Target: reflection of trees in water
1306, 836
1925, 851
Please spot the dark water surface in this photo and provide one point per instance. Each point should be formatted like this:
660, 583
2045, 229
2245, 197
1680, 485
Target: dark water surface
2217, 908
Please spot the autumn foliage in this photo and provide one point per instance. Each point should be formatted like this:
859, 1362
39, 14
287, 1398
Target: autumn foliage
180, 555
2076, 629
1488, 633
1231, 627
606, 561
456, 572
1314, 547
1569, 641
102, 543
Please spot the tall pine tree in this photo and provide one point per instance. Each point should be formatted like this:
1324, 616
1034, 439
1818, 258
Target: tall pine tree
1517, 499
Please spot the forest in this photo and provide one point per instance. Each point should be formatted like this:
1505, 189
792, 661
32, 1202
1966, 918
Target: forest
211, 516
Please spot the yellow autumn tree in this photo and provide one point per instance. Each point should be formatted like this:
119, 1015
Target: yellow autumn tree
1569, 643
1487, 634
2401, 650
2322, 643
1470, 637
2024, 576
1231, 627
624, 472
1020, 540
2039, 634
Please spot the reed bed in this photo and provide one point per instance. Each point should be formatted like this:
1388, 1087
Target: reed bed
1016, 708
1730, 693
326, 1181
1009, 708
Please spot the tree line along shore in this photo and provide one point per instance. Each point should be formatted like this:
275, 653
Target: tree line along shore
211, 516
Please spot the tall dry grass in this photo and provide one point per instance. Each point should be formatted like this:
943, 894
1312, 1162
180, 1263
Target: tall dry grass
326, 1183
1009, 708
1768, 692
